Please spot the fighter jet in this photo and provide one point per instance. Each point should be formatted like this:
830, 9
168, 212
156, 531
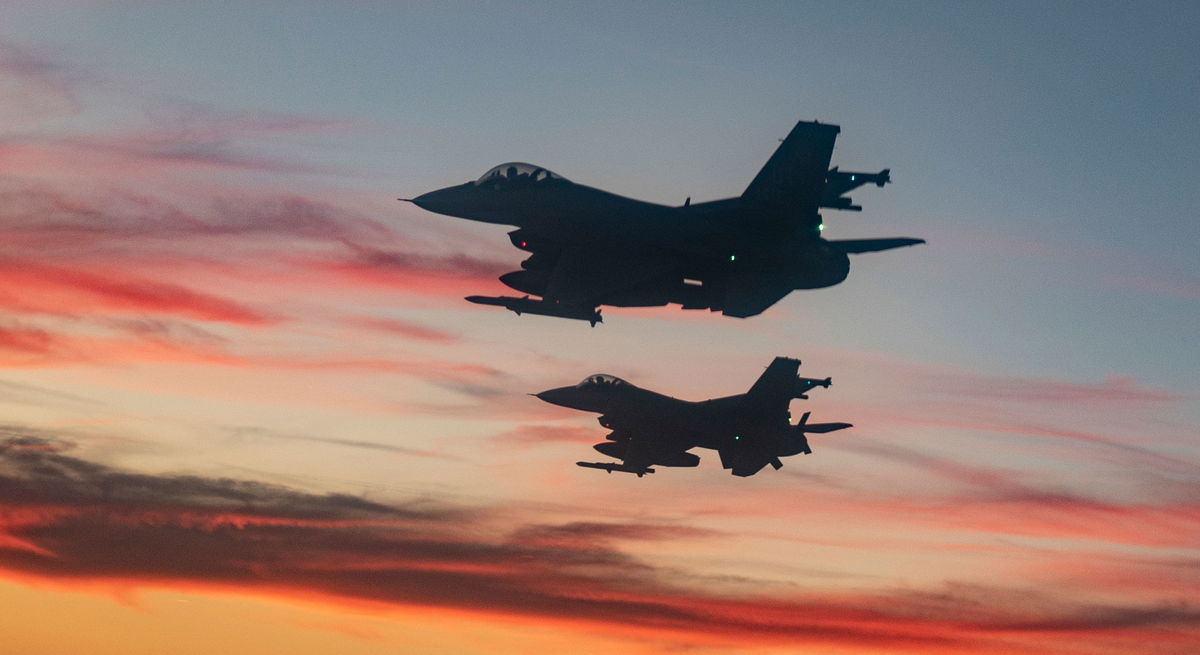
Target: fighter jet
737, 256
748, 430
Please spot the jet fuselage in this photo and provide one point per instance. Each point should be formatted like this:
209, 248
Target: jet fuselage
714, 424
714, 240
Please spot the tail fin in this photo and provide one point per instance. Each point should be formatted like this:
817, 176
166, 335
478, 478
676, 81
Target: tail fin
778, 381
792, 181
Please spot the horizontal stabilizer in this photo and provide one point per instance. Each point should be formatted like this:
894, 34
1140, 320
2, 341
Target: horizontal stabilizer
858, 246
822, 428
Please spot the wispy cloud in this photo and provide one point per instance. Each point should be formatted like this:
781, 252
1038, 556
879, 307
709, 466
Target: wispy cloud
586, 534
17, 392
35, 287
416, 272
264, 433
27, 346
173, 134
1112, 446
35, 88
533, 434
41, 215
1114, 389
405, 329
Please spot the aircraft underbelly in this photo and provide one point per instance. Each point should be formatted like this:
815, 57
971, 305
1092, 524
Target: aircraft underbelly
750, 291
592, 276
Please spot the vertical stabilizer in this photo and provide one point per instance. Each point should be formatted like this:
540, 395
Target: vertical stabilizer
793, 179
778, 382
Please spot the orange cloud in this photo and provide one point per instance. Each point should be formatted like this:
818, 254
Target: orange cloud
69, 519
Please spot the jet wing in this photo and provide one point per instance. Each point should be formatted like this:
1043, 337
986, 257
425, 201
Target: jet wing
792, 182
746, 461
750, 295
633, 453
588, 275
638, 452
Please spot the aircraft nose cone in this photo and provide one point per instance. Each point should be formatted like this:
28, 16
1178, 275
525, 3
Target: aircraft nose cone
555, 396
451, 201
428, 201
574, 398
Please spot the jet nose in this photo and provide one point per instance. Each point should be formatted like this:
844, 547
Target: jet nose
574, 398
449, 201
560, 396
429, 201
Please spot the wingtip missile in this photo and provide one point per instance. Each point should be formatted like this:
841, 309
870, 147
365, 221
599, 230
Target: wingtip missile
527, 305
803, 385
823, 428
611, 466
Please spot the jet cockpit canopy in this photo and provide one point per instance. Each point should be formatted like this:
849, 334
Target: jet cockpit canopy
515, 172
602, 381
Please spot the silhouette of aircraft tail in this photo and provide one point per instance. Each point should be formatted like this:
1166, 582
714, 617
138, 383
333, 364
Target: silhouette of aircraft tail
779, 383
792, 181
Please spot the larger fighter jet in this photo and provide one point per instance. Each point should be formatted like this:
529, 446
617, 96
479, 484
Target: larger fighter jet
749, 430
738, 256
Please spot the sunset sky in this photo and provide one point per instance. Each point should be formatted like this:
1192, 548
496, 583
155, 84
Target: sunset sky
246, 409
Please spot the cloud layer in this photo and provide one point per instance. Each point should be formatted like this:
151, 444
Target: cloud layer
66, 518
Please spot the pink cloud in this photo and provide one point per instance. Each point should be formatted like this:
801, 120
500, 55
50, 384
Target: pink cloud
405, 329
448, 276
31, 287
533, 434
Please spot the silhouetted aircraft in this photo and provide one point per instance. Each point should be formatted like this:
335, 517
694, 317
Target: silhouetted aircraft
738, 256
749, 430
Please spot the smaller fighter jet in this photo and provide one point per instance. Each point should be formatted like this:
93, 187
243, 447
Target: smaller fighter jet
748, 431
